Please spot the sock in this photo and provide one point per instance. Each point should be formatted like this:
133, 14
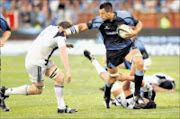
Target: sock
138, 81
107, 90
18, 90
59, 96
98, 67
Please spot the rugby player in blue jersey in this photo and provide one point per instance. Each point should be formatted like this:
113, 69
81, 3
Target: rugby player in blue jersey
6, 30
117, 48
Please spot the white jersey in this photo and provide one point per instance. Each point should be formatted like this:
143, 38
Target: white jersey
157, 78
44, 45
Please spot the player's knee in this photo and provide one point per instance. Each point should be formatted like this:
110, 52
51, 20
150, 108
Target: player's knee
60, 78
57, 75
36, 89
139, 63
147, 63
113, 76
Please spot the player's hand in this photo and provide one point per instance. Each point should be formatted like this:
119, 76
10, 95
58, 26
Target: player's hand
68, 74
131, 34
69, 45
1, 43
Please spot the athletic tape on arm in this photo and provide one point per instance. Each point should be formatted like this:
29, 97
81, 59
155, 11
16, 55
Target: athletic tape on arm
72, 30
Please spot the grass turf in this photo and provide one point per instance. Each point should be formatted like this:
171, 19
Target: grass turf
82, 93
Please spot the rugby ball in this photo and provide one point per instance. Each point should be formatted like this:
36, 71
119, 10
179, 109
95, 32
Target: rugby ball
123, 30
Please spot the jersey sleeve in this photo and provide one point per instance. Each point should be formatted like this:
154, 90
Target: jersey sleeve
4, 25
95, 23
127, 17
60, 39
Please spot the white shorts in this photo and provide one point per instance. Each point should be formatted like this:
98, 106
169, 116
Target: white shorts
37, 73
126, 102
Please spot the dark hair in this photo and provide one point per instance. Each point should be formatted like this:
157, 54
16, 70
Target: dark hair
65, 24
150, 105
167, 85
107, 6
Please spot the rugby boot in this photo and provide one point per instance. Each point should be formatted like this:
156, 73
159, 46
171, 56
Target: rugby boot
66, 110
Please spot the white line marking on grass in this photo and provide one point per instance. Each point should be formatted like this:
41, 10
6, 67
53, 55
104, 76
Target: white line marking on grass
91, 114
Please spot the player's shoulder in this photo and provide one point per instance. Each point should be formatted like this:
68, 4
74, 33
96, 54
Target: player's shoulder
2, 19
123, 14
61, 34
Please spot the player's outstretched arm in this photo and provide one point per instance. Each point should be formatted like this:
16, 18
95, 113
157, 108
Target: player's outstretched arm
5, 37
65, 60
76, 29
125, 78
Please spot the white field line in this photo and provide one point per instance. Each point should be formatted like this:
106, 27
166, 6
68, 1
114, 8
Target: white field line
164, 112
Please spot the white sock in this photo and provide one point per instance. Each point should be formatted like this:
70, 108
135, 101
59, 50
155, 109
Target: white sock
59, 96
98, 67
18, 90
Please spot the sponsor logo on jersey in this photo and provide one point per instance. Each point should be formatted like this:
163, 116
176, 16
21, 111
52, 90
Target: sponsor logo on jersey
111, 32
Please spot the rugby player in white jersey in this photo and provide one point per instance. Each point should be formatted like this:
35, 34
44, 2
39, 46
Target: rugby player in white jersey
123, 93
161, 82
38, 65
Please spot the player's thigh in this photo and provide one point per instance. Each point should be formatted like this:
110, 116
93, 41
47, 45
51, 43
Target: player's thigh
133, 52
36, 73
122, 66
126, 85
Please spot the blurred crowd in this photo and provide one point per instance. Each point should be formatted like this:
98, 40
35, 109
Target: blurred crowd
40, 13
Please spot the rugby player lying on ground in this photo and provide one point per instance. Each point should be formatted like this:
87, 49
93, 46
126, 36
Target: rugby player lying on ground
124, 93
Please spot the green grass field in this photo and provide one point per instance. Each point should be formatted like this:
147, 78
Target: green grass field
83, 92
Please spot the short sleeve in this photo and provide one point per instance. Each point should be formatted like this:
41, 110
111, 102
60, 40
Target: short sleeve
4, 25
95, 23
127, 17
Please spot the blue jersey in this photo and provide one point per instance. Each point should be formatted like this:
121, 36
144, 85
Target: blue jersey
107, 28
3, 24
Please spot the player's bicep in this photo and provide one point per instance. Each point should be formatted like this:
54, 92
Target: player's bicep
130, 20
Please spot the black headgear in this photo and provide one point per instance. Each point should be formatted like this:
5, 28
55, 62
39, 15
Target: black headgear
167, 85
150, 105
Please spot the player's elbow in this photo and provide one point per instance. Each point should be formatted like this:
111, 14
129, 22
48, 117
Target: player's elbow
141, 24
